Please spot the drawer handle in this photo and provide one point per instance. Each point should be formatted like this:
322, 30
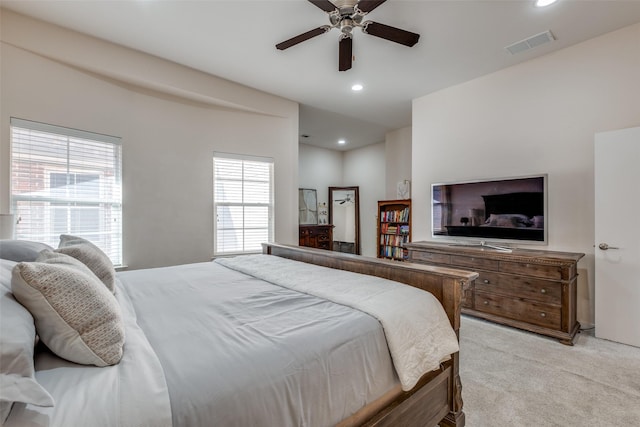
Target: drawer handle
543, 314
543, 291
486, 281
486, 303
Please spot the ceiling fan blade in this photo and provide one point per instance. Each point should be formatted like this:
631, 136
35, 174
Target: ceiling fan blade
345, 54
302, 37
367, 6
390, 33
325, 5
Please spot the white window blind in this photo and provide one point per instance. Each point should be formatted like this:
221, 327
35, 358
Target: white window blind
243, 203
66, 181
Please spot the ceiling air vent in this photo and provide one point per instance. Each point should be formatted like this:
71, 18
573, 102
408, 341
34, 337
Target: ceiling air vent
531, 42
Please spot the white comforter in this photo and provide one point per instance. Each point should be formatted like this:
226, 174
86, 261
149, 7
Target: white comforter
416, 326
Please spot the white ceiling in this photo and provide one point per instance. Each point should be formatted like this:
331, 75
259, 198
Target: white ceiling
459, 40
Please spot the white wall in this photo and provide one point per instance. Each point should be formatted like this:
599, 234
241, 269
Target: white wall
398, 160
536, 117
171, 120
365, 168
319, 169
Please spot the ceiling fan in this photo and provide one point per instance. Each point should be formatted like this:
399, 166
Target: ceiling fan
346, 15
347, 199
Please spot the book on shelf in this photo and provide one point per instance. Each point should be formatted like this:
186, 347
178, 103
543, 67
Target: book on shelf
387, 228
393, 252
393, 240
395, 215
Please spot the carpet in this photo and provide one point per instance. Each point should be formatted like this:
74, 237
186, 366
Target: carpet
515, 378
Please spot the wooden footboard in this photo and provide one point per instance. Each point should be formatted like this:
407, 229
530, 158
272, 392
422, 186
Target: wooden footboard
437, 398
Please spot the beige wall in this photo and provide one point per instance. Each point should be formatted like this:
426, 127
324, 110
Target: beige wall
319, 169
397, 160
171, 120
536, 117
365, 167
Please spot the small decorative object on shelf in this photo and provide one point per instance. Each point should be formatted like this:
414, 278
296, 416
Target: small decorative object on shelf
404, 189
394, 228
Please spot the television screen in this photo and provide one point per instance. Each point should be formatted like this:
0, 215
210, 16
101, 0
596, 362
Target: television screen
507, 210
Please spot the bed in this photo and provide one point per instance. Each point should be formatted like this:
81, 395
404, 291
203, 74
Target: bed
322, 350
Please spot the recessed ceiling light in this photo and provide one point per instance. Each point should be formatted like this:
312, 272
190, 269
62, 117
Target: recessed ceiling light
342, 141
543, 3
357, 87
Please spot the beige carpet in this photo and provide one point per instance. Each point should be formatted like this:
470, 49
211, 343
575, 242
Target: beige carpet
515, 378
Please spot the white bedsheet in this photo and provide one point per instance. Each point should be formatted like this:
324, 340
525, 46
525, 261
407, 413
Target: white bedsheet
132, 393
416, 326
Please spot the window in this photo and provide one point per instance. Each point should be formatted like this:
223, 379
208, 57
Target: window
242, 203
436, 208
66, 181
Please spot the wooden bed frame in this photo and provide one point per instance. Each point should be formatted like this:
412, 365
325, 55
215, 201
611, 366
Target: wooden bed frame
437, 398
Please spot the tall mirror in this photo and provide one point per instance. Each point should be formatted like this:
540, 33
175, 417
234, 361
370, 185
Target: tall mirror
344, 214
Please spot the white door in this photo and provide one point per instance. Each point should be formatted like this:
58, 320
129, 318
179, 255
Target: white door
617, 233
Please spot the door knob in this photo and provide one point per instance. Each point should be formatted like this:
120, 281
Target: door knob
605, 246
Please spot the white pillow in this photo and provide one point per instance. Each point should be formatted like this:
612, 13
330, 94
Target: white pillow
91, 256
21, 250
76, 316
17, 340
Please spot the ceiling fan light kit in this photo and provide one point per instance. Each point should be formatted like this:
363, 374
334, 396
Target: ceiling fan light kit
347, 15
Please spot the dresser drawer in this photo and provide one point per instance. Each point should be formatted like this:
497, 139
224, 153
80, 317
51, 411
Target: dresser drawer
531, 269
474, 262
419, 256
314, 232
324, 244
519, 286
323, 237
515, 308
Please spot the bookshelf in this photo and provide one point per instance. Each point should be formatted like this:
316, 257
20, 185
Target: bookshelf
394, 228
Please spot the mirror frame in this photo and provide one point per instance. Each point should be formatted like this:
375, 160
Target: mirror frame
357, 213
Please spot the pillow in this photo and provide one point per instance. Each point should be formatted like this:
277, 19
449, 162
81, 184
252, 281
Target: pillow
75, 315
538, 221
17, 340
91, 256
508, 220
21, 250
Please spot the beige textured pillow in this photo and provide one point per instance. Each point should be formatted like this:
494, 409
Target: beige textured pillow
91, 256
75, 315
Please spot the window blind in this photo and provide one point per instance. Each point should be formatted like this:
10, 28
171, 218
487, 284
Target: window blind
66, 181
243, 203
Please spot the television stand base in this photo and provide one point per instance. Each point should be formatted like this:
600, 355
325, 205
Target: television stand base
530, 289
484, 244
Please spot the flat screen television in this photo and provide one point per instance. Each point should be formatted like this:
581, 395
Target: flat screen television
492, 211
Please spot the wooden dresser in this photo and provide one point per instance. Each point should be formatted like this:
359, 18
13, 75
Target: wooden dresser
316, 236
533, 290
